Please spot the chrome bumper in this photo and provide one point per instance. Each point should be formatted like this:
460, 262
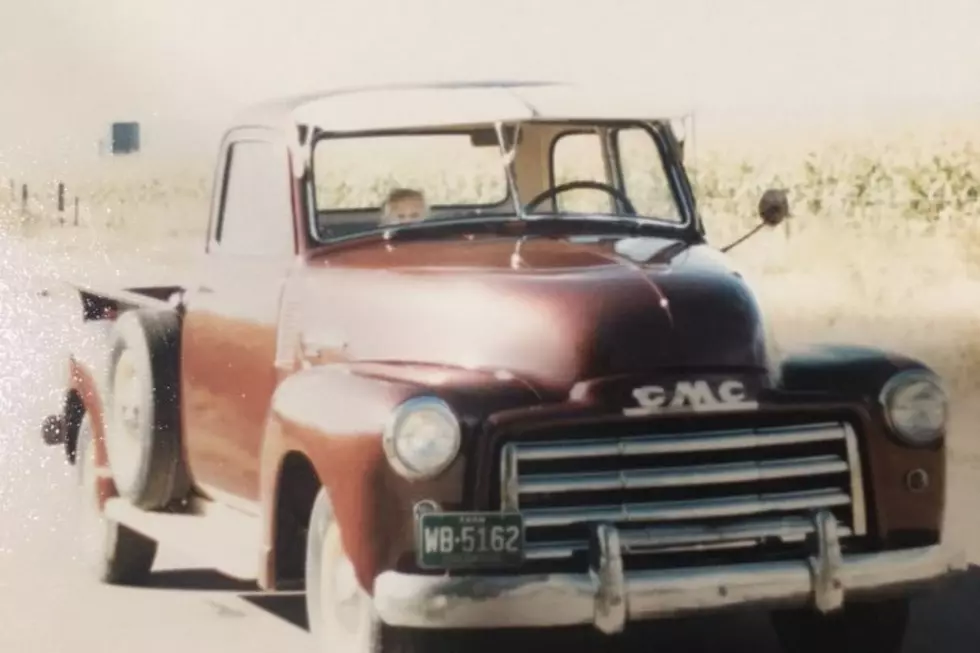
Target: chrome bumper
607, 597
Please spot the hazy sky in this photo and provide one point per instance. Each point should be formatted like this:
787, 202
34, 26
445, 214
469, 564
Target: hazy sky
68, 69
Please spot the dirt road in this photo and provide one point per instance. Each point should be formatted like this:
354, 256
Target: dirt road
49, 603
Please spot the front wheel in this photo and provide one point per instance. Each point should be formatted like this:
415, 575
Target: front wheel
339, 611
872, 627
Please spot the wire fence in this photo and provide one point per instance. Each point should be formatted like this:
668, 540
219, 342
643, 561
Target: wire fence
53, 204
142, 206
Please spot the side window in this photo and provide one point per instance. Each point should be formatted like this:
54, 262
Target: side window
578, 157
644, 178
256, 211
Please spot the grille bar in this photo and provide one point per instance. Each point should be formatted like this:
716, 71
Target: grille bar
680, 476
693, 509
668, 443
670, 538
779, 476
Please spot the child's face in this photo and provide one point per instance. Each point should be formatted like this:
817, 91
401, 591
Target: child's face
409, 209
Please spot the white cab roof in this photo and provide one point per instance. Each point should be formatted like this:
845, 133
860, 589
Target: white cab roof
419, 106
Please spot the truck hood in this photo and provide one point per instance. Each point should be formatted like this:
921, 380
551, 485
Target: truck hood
554, 311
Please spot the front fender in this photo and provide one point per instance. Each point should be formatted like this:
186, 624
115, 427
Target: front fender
334, 415
847, 370
856, 375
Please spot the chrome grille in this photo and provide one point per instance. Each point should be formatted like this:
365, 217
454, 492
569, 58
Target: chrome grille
690, 491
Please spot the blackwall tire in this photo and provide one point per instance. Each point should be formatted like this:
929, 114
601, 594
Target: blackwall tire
142, 409
866, 627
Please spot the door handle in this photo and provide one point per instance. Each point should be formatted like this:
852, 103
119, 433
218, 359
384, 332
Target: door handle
314, 344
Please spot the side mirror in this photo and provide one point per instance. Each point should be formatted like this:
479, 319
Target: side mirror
773, 209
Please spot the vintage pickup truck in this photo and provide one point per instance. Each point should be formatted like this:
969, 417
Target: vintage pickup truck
544, 401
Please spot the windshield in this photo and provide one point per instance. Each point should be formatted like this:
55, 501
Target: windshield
366, 183
637, 169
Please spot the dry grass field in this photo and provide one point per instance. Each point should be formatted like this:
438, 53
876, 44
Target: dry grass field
883, 247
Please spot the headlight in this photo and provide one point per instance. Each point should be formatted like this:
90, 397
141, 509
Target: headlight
422, 437
915, 406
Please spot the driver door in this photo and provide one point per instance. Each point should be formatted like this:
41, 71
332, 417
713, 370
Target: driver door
229, 334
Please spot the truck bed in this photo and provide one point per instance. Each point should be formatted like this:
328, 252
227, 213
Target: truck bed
103, 303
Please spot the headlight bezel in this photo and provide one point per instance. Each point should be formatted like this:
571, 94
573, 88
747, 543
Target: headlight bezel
900, 381
397, 418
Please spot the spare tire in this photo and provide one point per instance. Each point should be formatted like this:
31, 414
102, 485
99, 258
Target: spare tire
142, 409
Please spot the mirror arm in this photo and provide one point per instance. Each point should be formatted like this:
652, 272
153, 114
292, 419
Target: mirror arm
759, 226
773, 209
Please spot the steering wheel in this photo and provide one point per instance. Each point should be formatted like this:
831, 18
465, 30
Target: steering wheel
576, 185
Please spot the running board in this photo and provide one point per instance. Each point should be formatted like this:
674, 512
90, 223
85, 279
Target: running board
226, 539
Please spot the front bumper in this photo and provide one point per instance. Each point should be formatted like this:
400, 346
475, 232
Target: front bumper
607, 597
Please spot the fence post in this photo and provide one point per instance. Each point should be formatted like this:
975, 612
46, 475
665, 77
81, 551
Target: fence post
23, 199
61, 203
76, 210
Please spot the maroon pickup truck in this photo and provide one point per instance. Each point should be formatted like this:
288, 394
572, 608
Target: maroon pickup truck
460, 358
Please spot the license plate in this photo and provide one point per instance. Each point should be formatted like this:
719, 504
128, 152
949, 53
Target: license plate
470, 539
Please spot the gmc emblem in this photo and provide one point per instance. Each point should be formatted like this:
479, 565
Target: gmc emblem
694, 396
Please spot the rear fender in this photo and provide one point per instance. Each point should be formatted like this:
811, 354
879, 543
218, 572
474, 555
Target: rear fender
86, 384
85, 353
86, 379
